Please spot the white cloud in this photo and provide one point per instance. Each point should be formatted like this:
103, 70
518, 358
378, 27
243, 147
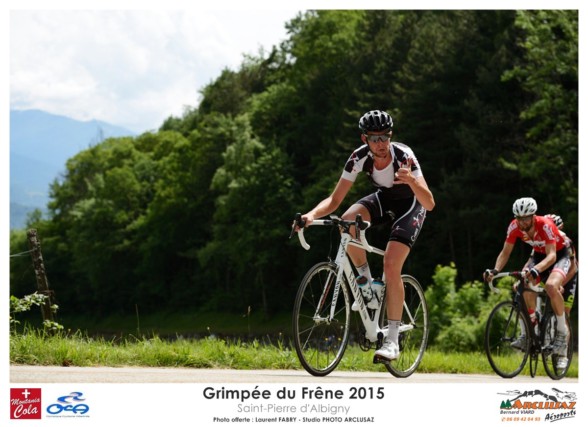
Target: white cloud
131, 68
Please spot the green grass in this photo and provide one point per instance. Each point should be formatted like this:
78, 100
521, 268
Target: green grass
36, 348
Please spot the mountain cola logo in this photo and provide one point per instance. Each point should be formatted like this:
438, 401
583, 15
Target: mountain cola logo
25, 403
536, 405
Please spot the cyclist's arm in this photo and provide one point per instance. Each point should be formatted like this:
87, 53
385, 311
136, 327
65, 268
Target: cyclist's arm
503, 256
528, 263
421, 191
418, 185
331, 203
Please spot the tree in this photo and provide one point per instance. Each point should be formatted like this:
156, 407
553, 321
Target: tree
548, 71
250, 222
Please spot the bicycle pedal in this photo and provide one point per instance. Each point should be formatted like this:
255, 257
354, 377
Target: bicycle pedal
380, 359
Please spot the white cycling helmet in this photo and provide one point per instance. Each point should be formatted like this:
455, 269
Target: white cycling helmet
524, 207
556, 219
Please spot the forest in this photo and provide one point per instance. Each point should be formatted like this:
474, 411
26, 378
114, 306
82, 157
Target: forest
197, 214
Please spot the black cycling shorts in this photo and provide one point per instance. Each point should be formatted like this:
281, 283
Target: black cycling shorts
563, 263
406, 216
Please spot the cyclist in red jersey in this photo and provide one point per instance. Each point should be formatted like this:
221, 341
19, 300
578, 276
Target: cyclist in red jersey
568, 290
550, 261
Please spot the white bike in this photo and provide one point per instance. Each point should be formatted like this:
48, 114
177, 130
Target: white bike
322, 309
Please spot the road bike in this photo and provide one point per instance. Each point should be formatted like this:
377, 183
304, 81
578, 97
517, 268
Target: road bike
322, 309
510, 319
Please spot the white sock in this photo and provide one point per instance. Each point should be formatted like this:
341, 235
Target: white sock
561, 324
364, 270
393, 326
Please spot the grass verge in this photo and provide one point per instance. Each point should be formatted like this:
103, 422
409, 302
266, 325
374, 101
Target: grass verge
36, 348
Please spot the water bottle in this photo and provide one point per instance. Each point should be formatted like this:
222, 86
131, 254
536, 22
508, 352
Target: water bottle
365, 287
378, 288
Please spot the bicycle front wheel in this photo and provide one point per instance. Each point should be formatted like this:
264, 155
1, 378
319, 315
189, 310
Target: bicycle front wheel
321, 320
556, 366
504, 326
414, 329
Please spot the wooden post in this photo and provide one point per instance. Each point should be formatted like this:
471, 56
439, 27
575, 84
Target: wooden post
42, 283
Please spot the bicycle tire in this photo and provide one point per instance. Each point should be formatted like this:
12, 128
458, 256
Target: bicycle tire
412, 342
320, 343
502, 328
550, 360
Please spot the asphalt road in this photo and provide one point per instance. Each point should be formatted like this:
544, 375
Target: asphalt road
58, 374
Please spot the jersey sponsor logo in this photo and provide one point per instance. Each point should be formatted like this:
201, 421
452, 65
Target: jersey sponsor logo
549, 232
513, 226
535, 243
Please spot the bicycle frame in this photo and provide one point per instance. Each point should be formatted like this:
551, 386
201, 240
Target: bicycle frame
372, 330
502, 332
523, 286
322, 309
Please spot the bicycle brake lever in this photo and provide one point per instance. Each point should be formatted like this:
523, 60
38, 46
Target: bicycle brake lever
298, 221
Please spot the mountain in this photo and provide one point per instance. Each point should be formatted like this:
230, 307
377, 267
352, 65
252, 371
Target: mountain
40, 145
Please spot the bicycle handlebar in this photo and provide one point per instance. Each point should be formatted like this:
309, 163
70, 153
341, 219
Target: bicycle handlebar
517, 274
359, 224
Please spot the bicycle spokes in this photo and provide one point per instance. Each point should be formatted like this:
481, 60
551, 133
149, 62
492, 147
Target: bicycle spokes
555, 365
505, 340
321, 320
413, 331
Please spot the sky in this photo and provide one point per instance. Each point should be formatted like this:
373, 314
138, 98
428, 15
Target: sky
132, 68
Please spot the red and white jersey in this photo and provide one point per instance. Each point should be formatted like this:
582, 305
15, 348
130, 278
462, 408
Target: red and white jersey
545, 233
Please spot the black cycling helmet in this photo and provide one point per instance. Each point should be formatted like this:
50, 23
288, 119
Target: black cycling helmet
375, 121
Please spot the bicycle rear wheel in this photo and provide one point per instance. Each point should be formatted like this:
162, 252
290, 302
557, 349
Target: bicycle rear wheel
502, 329
551, 361
320, 340
414, 329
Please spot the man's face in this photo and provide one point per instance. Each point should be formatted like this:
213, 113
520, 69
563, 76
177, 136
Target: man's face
378, 142
525, 223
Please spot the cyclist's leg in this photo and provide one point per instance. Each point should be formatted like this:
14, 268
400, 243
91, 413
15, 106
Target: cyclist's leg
553, 285
530, 298
394, 257
405, 230
370, 209
358, 256
396, 254
557, 276
568, 290
530, 301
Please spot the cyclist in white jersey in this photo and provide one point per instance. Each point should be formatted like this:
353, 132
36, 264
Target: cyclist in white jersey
402, 198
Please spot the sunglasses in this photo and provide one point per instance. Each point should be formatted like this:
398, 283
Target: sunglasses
379, 138
524, 218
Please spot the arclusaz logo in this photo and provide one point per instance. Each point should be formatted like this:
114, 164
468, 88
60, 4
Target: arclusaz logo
537, 405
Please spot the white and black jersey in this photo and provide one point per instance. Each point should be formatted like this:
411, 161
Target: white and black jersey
362, 160
393, 201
